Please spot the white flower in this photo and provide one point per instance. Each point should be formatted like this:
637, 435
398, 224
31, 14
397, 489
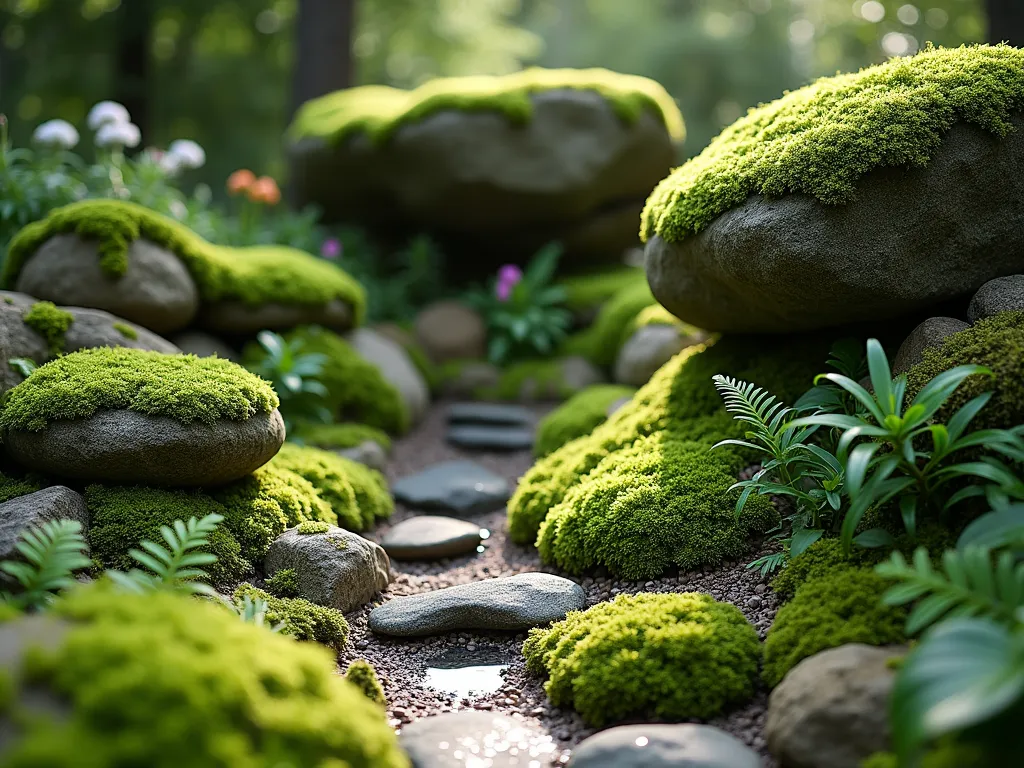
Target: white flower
107, 112
56, 133
118, 134
169, 163
178, 209
188, 153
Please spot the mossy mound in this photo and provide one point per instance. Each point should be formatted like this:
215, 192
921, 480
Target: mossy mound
378, 111
995, 342
163, 680
358, 495
284, 583
821, 139
529, 380
349, 435
181, 387
590, 291
577, 416
843, 606
357, 391
300, 618
252, 276
670, 656
50, 322
362, 675
643, 490
600, 343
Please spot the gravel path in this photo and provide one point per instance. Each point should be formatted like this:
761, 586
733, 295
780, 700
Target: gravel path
401, 663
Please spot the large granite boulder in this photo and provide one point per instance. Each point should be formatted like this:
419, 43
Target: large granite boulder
495, 167
859, 198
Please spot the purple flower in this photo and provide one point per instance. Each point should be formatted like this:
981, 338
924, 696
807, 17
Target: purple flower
508, 276
331, 249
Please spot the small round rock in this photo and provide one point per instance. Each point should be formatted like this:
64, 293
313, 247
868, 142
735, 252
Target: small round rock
664, 746
429, 537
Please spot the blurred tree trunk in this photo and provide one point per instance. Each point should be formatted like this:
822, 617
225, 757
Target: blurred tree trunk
323, 48
1005, 21
132, 63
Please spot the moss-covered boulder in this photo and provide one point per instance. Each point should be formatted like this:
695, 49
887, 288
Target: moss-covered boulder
164, 680
150, 269
858, 197
495, 165
131, 416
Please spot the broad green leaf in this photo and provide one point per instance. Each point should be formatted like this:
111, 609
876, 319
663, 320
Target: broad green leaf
802, 539
995, 530
881, 377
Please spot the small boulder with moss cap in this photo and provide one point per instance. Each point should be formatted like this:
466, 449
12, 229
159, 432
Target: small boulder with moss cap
130, 416
860, 197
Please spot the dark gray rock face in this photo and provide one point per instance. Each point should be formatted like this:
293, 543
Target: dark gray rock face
931, 333
912, 238
490, 413
1000, 295
122, 446
337, 568
490, 438
234, 317
462, 487
24, 512
449, 740
664, 746
429, 537
513, 603
495, 189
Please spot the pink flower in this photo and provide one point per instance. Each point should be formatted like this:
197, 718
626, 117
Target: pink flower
331, 249
508, 276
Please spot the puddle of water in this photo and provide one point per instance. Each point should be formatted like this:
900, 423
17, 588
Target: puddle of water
466, 674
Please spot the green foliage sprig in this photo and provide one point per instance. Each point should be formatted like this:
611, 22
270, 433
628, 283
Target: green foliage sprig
294, 375
52, 552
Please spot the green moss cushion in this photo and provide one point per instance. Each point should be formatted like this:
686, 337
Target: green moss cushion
840, 607
669, 656
590, 291
577, 416
50, 322
362, 675
379, 110
600, 343
996, 342
251, 276
14, 485
821, 139
348, 435
162, 680
300, 618
182, 387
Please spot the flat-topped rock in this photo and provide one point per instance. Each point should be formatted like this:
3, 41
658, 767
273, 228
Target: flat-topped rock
462, 487
664, 746
489, 413
429, 537
513, 603
454, 739
490, 438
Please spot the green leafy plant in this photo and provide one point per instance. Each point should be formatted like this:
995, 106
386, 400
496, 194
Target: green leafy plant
902, 455
176, 566
294, 375
846, 357
52, 552
23, 365
525, 312
254, 611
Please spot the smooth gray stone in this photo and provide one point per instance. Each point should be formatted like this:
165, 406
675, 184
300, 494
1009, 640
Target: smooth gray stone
429, 537
492, 438
664, 746
23, 512
931, 333
369, 452
512, 603
1000, 295
448, 741
490, 413
463, 487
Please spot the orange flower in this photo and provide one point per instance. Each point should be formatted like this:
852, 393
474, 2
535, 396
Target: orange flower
240, 181
264, 190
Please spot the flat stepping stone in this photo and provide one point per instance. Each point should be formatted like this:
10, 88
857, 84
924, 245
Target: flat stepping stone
664, 746
512, 603
430, 537
461, 739
462, 487
490, 413
493, 438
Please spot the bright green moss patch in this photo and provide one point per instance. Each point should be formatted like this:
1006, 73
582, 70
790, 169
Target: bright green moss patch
300, 618
600, 343
50, 322
948, 754
362, 675
529, 380
335, 436
821, 139
284, 583
373, 497
669, 656
840, 607
378, 111
590, 291
253, 276
181, 387
311, 527
166, 680
128, 331
577, 416
121, 517
995, 342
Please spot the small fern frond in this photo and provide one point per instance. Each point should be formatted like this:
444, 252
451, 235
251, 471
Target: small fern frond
53, 551
176, 565
755, 406
255, 612
969, 584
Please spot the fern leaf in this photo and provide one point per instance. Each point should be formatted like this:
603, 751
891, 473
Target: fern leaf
54, 551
